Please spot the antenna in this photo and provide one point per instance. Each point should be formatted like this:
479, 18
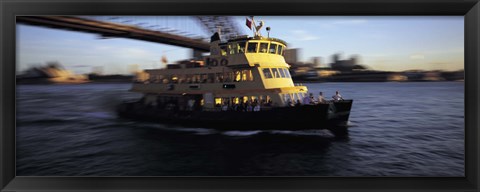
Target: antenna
257, 28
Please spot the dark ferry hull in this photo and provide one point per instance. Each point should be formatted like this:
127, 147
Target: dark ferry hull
332, 116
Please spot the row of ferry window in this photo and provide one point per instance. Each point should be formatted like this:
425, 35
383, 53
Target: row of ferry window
234, 76
269, 73
230, 101
252, 47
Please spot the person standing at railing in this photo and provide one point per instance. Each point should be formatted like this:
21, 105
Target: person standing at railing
321, 99
337, 97
307, 100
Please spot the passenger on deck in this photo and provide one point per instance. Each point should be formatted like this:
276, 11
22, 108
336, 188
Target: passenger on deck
256, 108
307, 100
337, 97
312, 99
298, 103
225, 106
269, 103
321, 99
289, 103
249, 108
191, 104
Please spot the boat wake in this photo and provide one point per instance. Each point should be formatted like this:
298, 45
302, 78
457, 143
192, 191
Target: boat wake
236, 133
241, 133
198, 131
321, 133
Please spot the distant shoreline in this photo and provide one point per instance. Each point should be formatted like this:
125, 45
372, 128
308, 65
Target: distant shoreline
124, 82
417, 81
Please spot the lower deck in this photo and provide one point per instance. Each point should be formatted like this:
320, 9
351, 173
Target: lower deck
319, 116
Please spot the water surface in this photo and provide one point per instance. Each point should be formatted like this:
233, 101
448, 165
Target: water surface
396, 129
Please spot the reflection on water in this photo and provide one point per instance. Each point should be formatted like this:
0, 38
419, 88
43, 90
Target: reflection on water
396, 129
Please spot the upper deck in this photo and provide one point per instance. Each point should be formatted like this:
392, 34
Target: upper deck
248, 51
241, 65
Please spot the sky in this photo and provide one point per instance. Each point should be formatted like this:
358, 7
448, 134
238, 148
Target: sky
391, 43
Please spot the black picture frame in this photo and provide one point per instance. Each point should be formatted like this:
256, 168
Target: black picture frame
9, 9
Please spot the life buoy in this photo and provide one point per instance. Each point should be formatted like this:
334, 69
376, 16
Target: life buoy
224, 62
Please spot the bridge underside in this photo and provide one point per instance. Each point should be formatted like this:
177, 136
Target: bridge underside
107, 29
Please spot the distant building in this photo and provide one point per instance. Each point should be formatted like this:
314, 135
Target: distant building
454, 75
51, 73
433, 76
397, 77
291, 56
346, 65
317, 61
326, 73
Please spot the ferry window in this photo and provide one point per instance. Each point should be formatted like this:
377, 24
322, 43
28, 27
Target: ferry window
238, 76
263, 47
181, 79
223, 50
219, 78
273, 48
218, 101
241, 47
280, 50
275, 73
252, 47
211, 77
236, 100
204, 78
196, 78
254, 99
268, 100
287, 73
282, 73
192, 79
267, 73
232, 48
244, 99
228, 76
247, 75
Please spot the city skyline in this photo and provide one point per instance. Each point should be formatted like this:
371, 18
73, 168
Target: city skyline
393, 43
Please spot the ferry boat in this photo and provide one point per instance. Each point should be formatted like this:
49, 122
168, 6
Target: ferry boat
244, 84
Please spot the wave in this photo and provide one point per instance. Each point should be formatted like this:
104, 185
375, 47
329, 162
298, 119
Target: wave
322, 133
197, 131
43, 121
316, 132
241, 133
100, 115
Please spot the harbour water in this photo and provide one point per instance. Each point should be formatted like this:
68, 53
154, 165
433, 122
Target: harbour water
395, 129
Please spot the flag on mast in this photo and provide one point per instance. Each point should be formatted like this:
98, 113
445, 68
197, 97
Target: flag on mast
249, 23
